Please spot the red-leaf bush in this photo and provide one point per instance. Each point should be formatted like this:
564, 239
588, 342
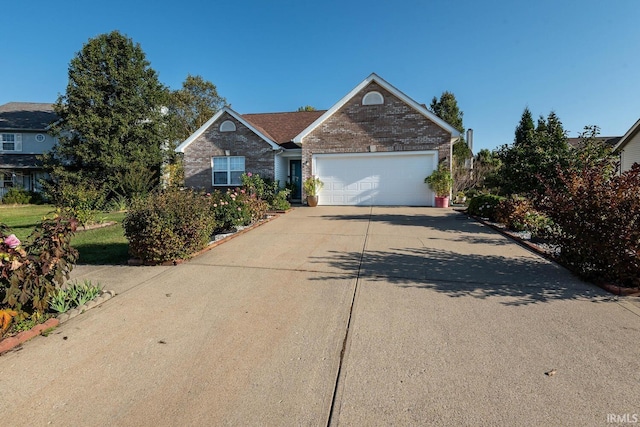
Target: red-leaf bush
598, 220
30, 273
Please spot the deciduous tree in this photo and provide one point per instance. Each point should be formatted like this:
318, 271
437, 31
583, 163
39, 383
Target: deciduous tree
111, 116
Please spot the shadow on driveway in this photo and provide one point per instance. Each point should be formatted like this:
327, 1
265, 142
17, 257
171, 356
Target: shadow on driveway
521, 280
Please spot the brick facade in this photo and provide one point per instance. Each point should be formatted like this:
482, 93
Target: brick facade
259, 155
392, 126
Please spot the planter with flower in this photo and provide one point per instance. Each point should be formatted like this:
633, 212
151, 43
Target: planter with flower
441, 182
312, 186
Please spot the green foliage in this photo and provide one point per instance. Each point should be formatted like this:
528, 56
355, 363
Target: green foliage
111, 115
267, 190
312, 185
518, 214
534, 157
80, 199
447, 109
191, 106
440, 181
484, 206
30, 273
74, 295
20, 196
168, 225
306, 108
230, 209
597, 218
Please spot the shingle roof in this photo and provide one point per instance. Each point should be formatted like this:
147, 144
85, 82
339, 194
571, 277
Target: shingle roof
283, 127
610, 141
26, 116
19, 161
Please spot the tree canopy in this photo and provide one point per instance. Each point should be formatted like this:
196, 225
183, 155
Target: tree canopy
191, 106
306, 108
532, 161
447, 109
111, 116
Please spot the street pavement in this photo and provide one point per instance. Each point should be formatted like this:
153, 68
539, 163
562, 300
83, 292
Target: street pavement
351, 316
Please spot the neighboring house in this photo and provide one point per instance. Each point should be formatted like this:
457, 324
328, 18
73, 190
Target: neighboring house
373, 147
628, 148
609, 141
24, 135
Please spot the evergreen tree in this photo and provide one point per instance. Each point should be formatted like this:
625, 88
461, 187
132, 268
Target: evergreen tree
111, 117
535, 156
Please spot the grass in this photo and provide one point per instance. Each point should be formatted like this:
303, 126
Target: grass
105, 245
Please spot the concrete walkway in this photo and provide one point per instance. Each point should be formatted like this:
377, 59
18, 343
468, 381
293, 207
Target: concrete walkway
337, 316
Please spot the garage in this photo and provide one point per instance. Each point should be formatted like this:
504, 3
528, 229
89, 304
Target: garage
383, 179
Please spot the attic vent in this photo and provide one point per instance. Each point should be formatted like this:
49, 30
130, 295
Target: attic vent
40, 137
373, 98
227, 126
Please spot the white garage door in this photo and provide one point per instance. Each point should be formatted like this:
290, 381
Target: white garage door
384, 179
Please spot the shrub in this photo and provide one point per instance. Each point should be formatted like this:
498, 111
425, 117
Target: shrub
230, 209
30, 273
267, 190
484, 206
83, 200
20, 196
168, 225
598, 222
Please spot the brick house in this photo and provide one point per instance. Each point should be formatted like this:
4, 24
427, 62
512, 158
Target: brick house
373, 147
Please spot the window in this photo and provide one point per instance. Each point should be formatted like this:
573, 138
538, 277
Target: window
11, 142
227, 170
227, 126
6, 179
373, 98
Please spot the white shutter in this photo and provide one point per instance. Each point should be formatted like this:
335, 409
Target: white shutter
18, 142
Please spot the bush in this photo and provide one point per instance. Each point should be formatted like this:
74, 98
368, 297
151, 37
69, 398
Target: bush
168, 225
31, 272
83, 200
230, 209
598, 222
20, 196
267, 190
484, 206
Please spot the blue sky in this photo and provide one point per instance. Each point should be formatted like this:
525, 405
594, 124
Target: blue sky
578, 58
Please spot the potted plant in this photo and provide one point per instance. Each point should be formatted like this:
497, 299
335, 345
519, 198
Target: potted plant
441, 182
312, 186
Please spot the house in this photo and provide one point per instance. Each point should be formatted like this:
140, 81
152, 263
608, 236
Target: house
23, 132
375, 146
628, 148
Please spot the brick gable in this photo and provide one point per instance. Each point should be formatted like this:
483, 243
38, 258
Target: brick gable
392, 126
243, 142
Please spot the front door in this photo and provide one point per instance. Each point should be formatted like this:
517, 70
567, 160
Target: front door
295, 177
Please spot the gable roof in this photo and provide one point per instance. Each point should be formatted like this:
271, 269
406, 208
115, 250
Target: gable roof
627, 136
283, 127
420, 108
26, 116
212, 120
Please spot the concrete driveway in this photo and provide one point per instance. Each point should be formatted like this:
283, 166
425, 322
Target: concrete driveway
338, 316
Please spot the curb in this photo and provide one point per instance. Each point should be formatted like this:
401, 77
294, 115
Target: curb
609, 287
43, 328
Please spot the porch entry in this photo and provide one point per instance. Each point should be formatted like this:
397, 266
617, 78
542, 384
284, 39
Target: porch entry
295, 178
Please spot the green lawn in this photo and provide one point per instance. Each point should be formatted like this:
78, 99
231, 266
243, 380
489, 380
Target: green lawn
99, 246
